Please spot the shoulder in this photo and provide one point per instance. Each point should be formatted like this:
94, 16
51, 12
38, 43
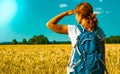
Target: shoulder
101, 33
73, 33
99, 30
71, 29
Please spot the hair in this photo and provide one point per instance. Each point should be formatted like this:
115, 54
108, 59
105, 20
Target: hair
86, 10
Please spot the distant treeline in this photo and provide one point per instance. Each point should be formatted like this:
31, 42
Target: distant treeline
113, 39
41, 39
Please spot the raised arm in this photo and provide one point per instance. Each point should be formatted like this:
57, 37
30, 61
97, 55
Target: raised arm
53, 23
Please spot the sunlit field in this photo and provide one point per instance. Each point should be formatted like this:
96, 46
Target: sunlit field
47, 59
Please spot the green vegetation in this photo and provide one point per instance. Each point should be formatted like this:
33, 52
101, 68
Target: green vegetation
113, 39
14, 41
41, 39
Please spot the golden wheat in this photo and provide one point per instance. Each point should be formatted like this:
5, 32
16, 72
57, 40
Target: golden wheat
47, 59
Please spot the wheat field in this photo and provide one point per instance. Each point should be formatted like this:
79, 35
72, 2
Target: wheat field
47, 59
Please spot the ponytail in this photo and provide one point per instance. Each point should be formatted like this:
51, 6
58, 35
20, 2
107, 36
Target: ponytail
86, 10
90, 22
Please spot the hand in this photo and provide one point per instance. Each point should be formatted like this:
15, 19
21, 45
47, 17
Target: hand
70, 12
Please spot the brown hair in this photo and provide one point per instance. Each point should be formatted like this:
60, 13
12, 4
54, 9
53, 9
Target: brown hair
86, 10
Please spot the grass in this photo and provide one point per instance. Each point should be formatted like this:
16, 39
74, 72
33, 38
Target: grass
47, 59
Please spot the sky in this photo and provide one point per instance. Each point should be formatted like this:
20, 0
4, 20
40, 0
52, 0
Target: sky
21, 19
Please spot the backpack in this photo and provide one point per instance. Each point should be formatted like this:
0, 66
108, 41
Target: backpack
88, 51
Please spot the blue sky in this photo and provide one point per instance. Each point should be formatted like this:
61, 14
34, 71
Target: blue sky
25, 18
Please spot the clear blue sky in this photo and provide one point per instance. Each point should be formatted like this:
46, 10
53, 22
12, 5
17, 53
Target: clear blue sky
24, 18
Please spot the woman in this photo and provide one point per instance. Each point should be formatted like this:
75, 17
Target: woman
85, 17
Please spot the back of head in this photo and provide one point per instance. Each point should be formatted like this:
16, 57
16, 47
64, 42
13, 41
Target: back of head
86, 10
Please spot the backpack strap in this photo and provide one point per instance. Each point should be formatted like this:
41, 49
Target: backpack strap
104, 66
80, 28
